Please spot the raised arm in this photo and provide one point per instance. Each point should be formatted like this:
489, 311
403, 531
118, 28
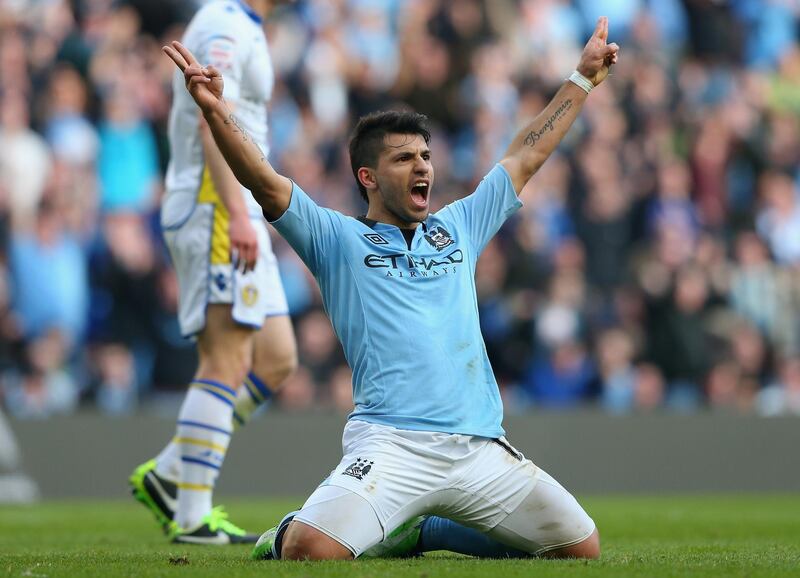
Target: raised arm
537, 140
245, 158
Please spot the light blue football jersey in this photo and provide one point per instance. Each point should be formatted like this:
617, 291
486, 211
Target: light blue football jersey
408, 319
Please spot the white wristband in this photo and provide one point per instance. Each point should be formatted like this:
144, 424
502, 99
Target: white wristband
579, 79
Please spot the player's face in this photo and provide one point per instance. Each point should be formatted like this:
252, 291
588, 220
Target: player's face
404, 178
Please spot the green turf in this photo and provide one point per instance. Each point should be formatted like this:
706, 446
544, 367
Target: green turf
704, 536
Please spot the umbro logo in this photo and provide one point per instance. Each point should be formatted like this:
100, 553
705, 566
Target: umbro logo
358, 469
376, 238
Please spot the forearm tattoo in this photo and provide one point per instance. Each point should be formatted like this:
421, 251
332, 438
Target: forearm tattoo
231, 120
236, 126
535, 135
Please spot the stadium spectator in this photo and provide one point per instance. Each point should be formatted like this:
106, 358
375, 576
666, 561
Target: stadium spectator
782, 395
45, 386
126, 293
679, 342
779, 219
562, 378
605, 227
615, 352
71, 135
763, 292
318, 349
26, 161
174, 356
49, 278
128, 161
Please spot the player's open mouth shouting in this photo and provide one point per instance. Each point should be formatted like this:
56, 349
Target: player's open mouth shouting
419, 193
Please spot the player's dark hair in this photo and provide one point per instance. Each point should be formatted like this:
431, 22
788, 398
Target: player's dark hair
367, 140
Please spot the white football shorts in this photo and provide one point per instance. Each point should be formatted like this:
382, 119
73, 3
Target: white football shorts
200, 251
389, 476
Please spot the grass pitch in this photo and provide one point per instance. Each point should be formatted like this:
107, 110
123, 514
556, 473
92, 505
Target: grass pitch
704, 536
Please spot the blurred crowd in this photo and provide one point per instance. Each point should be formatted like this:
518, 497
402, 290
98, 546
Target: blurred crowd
655, 264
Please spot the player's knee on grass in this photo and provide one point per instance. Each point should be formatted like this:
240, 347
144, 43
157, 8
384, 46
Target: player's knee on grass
587, 549
549, 522
302, 542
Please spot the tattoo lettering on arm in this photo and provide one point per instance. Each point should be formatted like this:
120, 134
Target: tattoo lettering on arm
535, 135
231, 120
236, 126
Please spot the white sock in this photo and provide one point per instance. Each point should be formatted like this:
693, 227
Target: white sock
204, 431
168, 462
251, 395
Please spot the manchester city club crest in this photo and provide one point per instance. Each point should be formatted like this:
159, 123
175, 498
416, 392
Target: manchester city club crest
439, 238
358, 469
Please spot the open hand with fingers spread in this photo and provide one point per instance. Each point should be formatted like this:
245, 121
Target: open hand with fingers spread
598, 56
203, 83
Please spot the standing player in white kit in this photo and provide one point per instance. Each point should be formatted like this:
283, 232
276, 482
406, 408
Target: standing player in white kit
231, 298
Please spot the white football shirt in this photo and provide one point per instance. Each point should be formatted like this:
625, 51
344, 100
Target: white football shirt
229, 35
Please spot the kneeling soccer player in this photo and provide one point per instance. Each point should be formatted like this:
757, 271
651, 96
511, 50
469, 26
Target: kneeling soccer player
425, 437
